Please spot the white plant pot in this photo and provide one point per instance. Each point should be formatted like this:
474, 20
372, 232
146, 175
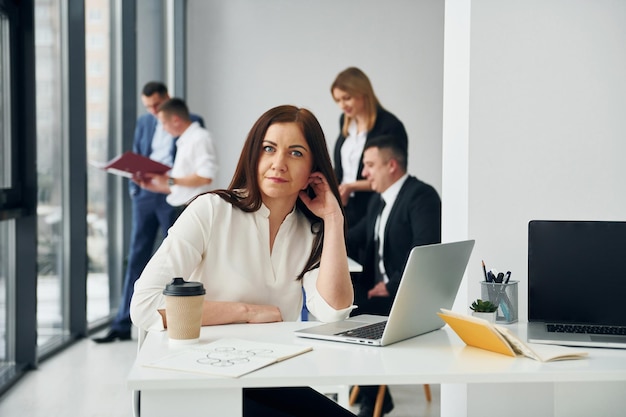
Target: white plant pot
490, 317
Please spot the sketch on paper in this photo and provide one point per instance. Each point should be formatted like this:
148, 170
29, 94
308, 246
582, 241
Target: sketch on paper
228, 357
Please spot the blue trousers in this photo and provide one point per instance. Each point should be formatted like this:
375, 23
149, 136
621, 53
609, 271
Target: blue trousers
150, 212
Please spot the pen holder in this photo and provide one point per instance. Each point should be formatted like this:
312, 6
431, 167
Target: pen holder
504, 296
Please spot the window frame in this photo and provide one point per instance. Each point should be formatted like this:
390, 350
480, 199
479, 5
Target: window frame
18, 199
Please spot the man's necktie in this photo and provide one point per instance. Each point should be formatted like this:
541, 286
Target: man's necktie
173, 149
377, 232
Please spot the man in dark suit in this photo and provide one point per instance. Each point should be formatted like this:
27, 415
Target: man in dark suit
356, 205
150, 210
404, 213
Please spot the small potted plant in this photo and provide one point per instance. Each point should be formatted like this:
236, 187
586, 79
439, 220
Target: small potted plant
484, 310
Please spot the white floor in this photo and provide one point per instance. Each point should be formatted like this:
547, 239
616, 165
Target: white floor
89, 380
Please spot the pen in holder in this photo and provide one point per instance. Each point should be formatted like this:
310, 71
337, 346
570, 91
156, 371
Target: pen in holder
504, 295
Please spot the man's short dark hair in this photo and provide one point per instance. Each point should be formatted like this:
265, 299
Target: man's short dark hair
153, 87
175, 106
393, 145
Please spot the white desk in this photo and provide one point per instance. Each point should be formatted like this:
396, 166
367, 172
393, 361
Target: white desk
437, 357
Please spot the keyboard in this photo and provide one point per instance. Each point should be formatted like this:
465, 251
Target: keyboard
587, 329
371, 331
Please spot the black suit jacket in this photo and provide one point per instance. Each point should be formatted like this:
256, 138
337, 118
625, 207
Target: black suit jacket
386, 123
414, 220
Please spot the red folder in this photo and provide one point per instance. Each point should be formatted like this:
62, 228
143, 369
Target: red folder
130, 163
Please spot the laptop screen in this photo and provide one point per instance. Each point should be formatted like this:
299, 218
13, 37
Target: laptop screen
577, 272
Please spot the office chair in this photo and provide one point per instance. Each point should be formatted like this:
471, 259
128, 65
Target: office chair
380, 396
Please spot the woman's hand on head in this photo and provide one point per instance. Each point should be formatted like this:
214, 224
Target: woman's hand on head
324, 203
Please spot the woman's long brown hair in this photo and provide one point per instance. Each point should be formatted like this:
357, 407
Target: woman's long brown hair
244, 192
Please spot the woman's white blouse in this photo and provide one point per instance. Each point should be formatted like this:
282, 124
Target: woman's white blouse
228, 251
352, 153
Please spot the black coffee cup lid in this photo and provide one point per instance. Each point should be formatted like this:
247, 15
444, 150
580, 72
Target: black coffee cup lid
180, 287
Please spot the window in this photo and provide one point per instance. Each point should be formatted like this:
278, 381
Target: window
94, 13
6, 315
5, 106
8, 201
51, 321
98, 81
65, 285
94, 94
95, 41
95, 68
6, 240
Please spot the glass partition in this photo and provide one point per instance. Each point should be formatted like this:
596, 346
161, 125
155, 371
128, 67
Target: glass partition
7, 275
51, 320
97, 50
7, 278
5, 96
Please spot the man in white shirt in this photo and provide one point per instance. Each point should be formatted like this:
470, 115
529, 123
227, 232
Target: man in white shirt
151, 213
195, 166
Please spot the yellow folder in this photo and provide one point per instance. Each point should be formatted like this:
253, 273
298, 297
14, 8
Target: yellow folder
477, 333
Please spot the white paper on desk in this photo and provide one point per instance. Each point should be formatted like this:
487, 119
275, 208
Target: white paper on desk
228, 357
550, 353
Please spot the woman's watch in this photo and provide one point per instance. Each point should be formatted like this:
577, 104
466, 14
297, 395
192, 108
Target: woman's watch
171, 181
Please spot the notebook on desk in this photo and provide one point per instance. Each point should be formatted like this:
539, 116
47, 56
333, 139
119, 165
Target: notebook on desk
430, 281
577, 283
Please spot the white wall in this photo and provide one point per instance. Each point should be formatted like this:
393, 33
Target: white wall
246, 56
547, 124
547, 98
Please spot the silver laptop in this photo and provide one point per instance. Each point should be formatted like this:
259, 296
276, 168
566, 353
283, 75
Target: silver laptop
430, 281
577, 283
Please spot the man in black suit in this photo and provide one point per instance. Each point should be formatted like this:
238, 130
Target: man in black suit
410, 216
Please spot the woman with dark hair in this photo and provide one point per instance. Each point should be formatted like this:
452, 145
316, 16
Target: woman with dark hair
276, 229
363, 118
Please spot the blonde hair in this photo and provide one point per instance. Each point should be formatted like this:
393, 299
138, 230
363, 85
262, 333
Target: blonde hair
354, 82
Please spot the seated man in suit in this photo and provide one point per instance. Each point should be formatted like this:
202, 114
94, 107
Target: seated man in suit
406, 213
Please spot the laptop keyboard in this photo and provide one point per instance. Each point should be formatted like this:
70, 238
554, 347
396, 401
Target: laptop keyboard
371, 331
587, 329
